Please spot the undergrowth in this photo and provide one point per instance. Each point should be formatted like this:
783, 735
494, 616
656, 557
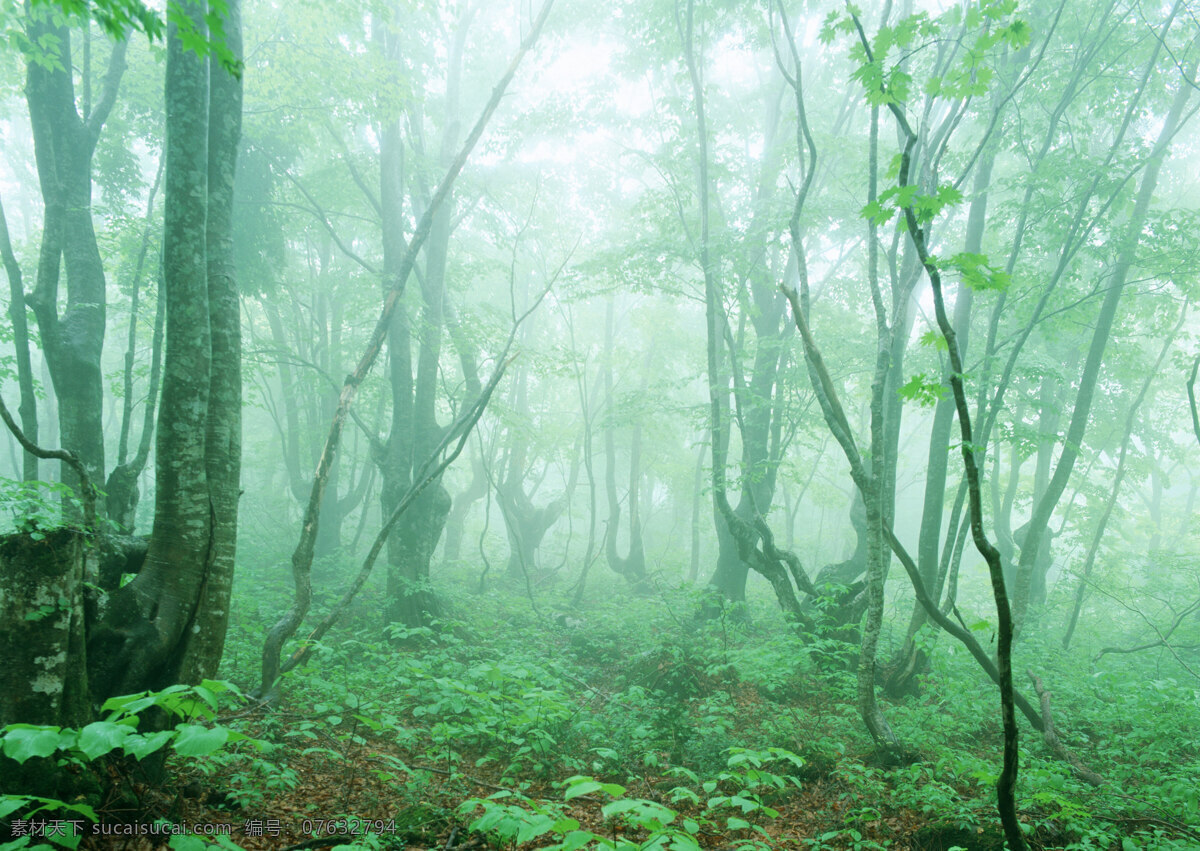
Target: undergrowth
622, 726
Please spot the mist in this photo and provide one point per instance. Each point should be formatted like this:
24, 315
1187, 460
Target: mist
657, 425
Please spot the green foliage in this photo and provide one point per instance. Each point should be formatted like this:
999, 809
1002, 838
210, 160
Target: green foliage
115, 17
922, 390
976, 272
211, 40
36, 507
119, 730
515, 818
117, 736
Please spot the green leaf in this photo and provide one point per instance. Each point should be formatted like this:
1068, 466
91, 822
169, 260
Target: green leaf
735, 823
140, 746
977, 273
12, 803
128, 704
935, 339
922, 390
575, 840
875, 212
24, 741
535, 826
586, 785
194, 740
101, 737
206, 695
623, 805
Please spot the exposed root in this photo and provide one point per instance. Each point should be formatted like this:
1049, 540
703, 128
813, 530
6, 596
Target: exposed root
1050, 737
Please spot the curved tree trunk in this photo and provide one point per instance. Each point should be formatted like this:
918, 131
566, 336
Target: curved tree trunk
64, 142
909, 662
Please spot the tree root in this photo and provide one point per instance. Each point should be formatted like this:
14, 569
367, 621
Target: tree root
1050, 737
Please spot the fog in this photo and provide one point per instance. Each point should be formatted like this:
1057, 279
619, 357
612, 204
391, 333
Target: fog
691, 424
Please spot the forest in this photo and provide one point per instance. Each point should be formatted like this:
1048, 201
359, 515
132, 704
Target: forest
657, 424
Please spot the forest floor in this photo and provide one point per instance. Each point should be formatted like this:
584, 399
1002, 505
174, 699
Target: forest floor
348, 785
629, 726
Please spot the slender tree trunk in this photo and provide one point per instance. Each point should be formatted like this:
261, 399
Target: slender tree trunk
1091, 369
910, 661
1118, 477
121, 490
697, 489
27, 407
632, 566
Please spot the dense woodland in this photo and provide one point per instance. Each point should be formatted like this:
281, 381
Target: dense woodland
659, 424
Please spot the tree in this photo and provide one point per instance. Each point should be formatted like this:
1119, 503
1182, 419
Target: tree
27, 408
168, 624
632, 566
65, 133
399, 259
1104, 322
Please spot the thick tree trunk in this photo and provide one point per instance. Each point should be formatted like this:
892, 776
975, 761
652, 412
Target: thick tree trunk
164, 594
223, 437
42, 629
168, 624
411, 600
526, 525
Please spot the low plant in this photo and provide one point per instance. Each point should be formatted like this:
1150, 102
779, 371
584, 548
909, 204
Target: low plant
114, 737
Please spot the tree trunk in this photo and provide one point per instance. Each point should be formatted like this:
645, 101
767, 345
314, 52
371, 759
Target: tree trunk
64, 142
1080, 413
631, 566
42, 629
27, 407
168, 624
902, 671
223, 437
